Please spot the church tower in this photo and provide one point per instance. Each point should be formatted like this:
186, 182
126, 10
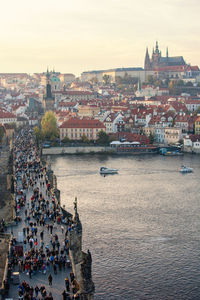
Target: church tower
147, 63
48, 86
156, 56
48, 100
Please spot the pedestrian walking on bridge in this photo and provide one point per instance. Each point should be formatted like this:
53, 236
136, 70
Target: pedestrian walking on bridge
50, 278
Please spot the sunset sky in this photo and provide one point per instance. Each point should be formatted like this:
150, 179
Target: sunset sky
80, 35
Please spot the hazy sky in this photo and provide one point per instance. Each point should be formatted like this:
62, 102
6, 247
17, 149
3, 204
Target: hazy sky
80, 35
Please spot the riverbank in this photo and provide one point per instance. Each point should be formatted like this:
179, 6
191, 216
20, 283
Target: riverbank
77, 150
104, 150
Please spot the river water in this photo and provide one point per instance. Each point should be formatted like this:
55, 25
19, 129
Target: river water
142, 225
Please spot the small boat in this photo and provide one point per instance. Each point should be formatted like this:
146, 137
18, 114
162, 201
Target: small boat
185, 169
104, 170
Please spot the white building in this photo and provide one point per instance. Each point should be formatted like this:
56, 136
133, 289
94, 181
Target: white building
173, 135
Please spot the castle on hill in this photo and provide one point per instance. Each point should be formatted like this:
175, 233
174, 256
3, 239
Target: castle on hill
158, 61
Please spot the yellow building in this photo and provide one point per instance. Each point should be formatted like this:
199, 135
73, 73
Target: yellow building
75, 129
148, 130
88, 110
197, 126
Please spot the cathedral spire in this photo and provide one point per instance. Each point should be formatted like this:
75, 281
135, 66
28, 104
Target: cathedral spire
147, 63
47, 74
157, 49
156, 45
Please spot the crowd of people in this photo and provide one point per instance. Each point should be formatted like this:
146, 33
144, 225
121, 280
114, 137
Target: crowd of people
45, 229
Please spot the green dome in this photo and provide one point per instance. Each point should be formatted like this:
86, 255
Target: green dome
54, 78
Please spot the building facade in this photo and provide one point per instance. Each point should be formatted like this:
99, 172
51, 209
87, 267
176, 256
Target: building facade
173, 135
75, 129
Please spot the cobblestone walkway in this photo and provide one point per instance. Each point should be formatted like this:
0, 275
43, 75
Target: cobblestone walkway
39, 279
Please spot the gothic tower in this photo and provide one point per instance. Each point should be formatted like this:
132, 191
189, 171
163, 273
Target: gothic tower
147, 63
48, 86
48, 100
156, 56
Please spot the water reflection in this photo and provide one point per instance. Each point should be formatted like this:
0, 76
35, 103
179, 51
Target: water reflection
141, 225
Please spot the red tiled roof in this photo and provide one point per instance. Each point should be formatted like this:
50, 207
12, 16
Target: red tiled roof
190, 101
182, 118
154, 120
6, 114
131, 137
82, 123
74, 93
181, 68
194, 137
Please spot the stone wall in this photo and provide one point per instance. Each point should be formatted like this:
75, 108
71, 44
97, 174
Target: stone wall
81, 262
75, 150
191, 150
7, 209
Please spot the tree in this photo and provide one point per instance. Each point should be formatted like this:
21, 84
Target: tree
180, 82
1, 134
13, 125
38, 134
94, 80
103, 138
150, 79
49, 126
158, 83
172, 87
66, 140
118, 80
151, 138
189, 83
85, 139
106, 79
166, 81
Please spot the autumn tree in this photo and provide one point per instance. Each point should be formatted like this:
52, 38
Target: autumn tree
172, 87
94, 80
106, 79
38, 134
84, 139
150, 79
49, 126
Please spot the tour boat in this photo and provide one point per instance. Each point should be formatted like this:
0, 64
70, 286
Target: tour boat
185, 169
104, 170
133, 148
